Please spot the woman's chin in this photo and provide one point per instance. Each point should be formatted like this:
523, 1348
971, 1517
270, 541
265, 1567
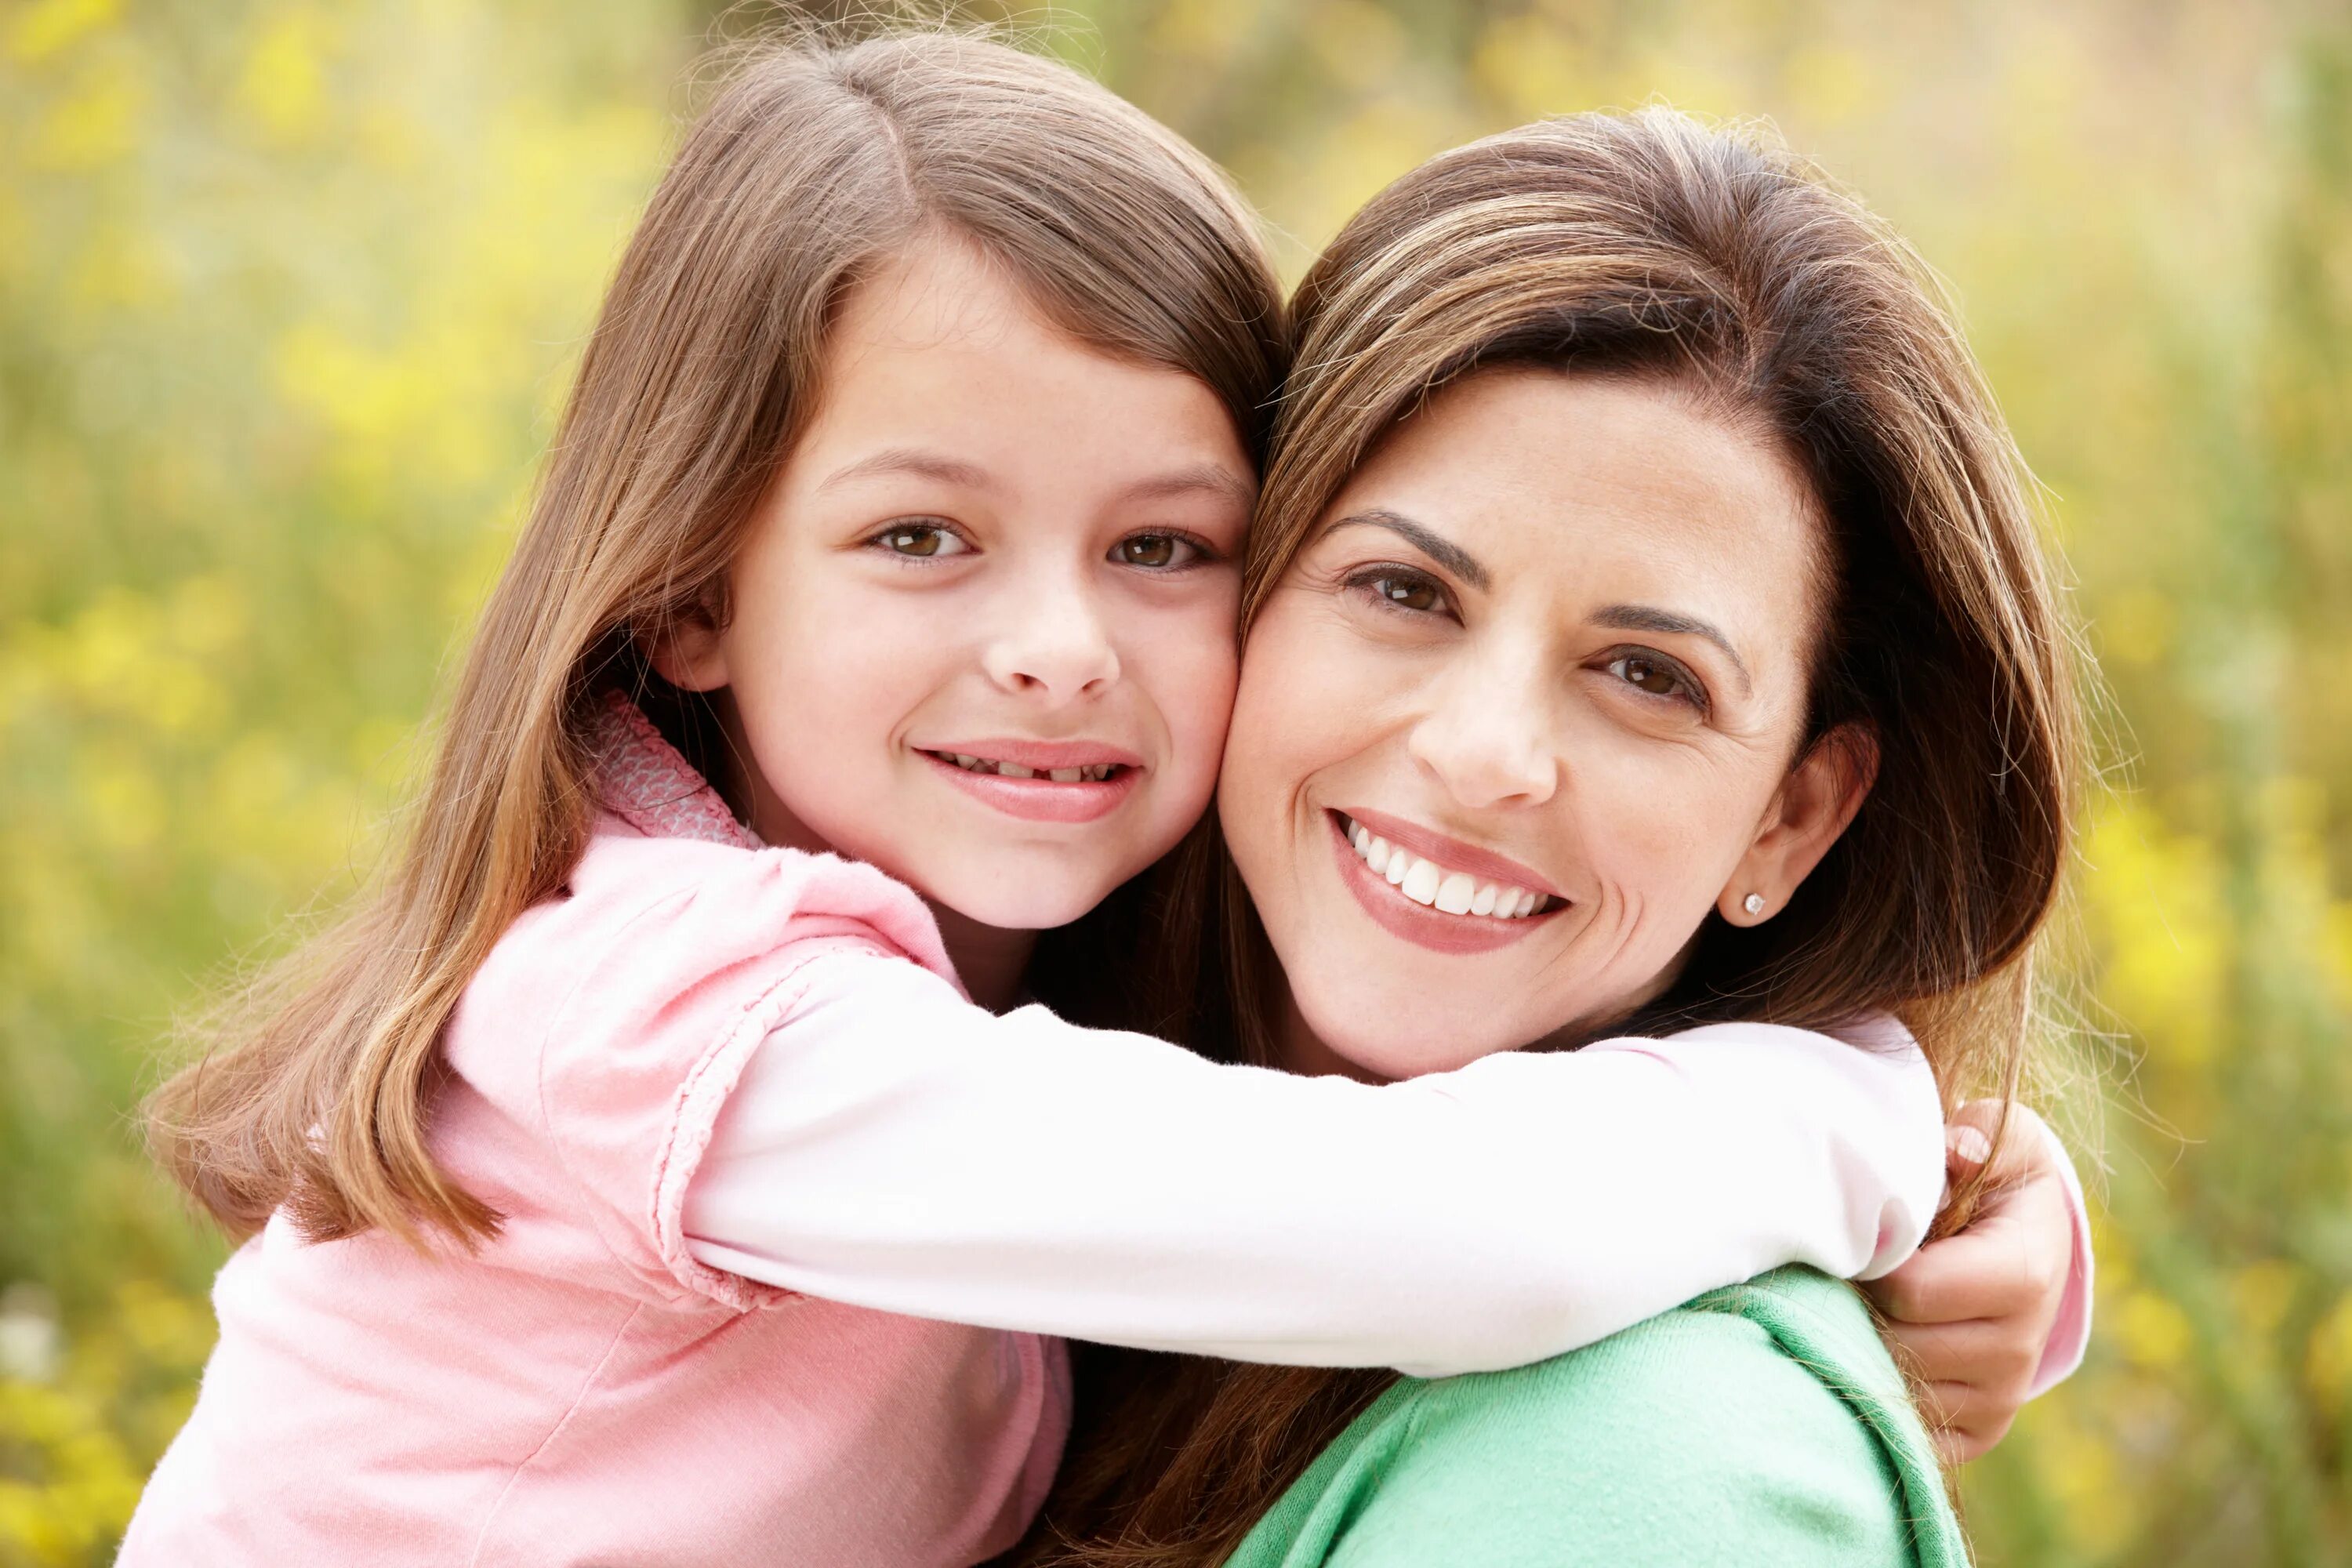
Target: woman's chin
1367, 1037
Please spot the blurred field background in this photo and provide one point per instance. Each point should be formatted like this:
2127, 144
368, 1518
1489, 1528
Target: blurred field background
289, 293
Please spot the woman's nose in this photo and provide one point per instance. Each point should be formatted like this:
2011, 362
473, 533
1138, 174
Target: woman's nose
1488, 740
1055, 644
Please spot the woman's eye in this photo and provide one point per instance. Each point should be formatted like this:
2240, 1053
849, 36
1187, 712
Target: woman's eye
1404, 591
1156, 552
1654, 676
919, 540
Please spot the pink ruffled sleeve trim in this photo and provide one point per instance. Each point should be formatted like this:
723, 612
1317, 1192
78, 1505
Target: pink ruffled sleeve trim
2070, 1335
701, 1099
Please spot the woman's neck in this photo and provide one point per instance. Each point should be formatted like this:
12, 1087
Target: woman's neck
1298, 1049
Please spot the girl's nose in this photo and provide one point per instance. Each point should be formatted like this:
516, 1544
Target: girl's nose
1057, 646
1487, 739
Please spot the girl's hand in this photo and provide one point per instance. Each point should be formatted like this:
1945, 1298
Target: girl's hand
1970, 1316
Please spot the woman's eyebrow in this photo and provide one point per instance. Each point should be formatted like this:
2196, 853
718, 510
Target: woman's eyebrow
1649, 619
1435, 545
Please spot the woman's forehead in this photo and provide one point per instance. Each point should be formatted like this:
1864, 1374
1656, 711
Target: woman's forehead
1534, 474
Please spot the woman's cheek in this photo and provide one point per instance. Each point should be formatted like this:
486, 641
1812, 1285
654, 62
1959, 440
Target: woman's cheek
1307, 681
1263, 757
1661, 843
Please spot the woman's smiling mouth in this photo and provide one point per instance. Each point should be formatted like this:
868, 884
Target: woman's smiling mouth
1432, 891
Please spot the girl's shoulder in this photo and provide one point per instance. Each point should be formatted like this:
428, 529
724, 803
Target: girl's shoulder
676, 923
672, 889
1766, 1421
593, 1048
666, 849
666, 912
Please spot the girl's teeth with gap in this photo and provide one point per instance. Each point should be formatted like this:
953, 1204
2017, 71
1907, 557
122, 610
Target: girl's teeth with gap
1427, 882
1094, 773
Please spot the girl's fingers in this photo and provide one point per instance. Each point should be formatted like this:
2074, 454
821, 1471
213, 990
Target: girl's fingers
1999, 1355
1969, 1142
2000, 1265
1968, 1137
1975, 1274
1963, 1424
1940, 1403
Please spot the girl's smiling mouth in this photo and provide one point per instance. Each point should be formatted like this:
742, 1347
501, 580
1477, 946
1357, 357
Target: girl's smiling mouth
1434, 891
1040, 781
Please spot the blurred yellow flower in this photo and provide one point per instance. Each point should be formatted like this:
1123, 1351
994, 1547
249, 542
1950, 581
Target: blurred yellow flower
2151, 1331
44, 29
2261, 1295
2327, 1359
283, 86
96, 122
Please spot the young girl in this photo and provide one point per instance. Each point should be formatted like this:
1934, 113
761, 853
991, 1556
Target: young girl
902, 482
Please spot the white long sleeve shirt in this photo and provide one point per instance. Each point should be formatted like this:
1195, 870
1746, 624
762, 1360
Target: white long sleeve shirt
891, 1145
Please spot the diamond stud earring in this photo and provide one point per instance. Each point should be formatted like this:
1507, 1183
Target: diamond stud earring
1753, 903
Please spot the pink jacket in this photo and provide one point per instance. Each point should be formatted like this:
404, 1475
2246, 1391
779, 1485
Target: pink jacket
582, 1390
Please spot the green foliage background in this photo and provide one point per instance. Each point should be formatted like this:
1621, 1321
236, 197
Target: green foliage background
287, 296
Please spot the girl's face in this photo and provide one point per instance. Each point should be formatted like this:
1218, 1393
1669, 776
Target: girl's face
1521, 712
981, 635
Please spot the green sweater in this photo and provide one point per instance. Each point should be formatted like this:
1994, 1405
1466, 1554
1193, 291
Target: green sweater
1758, 1425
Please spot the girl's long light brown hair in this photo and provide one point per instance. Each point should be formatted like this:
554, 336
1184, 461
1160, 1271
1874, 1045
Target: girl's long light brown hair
1650, 245
820, 158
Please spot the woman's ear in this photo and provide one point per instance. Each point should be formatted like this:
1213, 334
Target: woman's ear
1816, 803
687, 651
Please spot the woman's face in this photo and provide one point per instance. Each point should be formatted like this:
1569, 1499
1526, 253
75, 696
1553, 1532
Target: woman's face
1522, 712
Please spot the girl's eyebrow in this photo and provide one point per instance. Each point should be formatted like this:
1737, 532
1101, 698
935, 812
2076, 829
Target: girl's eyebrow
1649, 619
1213, 478
1430, 543
910, 460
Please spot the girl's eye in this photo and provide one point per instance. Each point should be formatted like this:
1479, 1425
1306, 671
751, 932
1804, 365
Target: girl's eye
919, 540
1657, 677
1399, 589
1156, 552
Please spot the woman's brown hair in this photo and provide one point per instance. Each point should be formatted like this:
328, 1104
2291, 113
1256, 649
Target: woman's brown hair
820, 158
1650, 245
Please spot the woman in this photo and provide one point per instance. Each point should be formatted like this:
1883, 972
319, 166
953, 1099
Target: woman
1639, 536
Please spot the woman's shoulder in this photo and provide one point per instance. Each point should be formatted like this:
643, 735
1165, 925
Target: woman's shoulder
1782, 1383
1762, 1423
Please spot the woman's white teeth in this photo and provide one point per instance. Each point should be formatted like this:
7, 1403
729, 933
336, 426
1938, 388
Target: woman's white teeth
1426, 882
1454, 893
1093, 772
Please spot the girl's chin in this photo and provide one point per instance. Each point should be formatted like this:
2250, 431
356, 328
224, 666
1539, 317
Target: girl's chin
1026, 915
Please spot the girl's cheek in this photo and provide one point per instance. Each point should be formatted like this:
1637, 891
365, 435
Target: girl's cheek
1195, 671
